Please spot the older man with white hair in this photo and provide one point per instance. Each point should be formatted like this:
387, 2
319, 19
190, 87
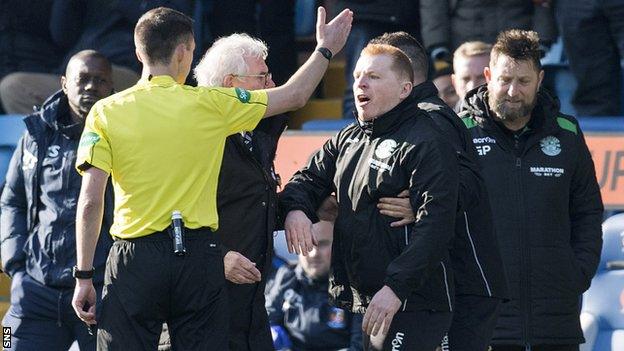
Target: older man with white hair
246, 197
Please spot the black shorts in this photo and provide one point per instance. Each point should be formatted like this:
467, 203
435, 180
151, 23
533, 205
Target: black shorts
412, 331
145, 284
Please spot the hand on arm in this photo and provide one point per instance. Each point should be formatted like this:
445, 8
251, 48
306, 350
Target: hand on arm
296, 92
88, 224
380, 312
299, 237
239, 269
398, 207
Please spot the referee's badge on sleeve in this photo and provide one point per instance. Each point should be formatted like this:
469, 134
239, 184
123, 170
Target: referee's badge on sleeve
243, 95
89, 139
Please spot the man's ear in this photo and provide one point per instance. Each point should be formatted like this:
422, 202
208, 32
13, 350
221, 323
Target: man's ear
406, 90
138, 55
487, 73
228, 81
540, 78
64, 84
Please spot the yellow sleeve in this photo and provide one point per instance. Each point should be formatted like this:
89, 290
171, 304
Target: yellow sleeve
94, 149
241, 109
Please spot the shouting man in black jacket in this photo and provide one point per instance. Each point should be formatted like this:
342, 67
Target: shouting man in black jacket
544, 195
398, 276
476, 260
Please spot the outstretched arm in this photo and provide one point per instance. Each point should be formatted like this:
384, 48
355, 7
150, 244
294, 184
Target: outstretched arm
296, 92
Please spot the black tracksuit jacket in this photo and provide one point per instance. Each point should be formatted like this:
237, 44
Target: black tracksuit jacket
475, 255
402, 149
547, 213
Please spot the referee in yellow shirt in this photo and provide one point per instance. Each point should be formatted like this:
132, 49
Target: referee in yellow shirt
162, 142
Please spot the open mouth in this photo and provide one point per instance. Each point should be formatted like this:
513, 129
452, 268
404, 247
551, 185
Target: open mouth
362, 99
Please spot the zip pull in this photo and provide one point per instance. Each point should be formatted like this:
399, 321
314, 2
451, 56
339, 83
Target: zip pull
518, 162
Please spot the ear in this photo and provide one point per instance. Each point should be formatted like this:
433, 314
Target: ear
64, 84
487, 74
228, 81
138, 55
406, 90
180, 51
540, 78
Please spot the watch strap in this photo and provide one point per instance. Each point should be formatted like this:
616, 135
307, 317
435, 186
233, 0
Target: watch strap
325, 52
78, 274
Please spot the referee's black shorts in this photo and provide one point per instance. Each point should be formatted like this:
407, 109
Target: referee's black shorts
146, 284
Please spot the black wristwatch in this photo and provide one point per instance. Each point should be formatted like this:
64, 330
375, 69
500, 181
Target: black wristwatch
325, 52
78, 274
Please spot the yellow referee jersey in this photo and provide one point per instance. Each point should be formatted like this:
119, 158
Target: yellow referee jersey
162, 143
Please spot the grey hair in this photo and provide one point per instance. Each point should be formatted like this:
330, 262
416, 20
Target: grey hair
227, 56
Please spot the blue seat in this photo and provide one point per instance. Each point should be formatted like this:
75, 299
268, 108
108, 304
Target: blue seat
326, 124
11, 129
602, 123
602, 315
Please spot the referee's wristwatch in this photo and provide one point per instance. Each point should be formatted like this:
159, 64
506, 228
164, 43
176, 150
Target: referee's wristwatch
78, 274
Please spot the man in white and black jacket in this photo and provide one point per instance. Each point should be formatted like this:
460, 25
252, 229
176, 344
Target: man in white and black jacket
544, 194
398, 276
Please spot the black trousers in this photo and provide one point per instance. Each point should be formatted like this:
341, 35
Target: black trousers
412, 331
474, 320
145, 284
249, 323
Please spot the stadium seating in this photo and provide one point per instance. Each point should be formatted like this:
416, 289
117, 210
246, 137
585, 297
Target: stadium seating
603, 304
11, 129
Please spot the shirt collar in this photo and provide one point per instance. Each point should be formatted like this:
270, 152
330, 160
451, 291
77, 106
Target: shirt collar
158, 80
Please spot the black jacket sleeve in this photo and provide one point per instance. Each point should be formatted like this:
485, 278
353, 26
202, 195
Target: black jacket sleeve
13, 215
312, 184
433, 195
586, 211
470, 180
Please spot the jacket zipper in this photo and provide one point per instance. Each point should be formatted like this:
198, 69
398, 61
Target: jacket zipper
524, 258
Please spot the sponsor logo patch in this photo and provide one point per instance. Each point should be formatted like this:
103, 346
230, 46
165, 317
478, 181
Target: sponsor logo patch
242, 95
385, 148
28, 160
88, 139
397, 342
551, 146
547, 171
336, 318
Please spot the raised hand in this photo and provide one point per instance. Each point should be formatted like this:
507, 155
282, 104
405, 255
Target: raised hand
333, 35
